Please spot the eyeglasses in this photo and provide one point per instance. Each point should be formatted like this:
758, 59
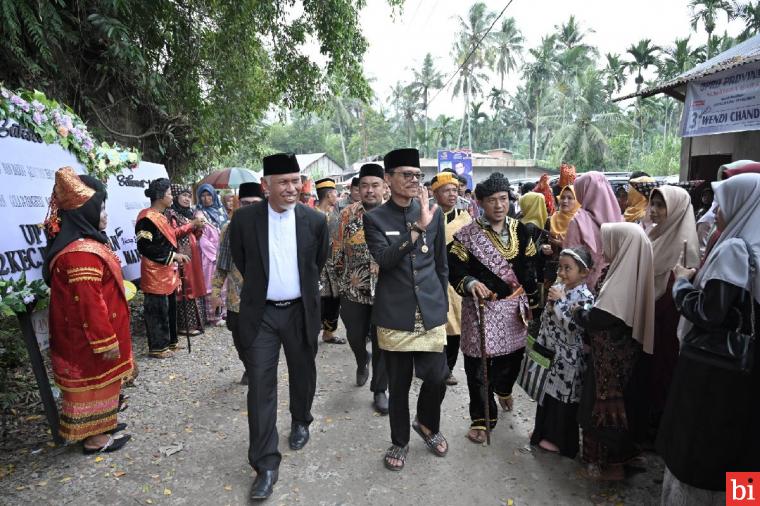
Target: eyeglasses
409, 175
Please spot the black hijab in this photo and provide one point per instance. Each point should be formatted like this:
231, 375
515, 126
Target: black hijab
80, 223
177, 190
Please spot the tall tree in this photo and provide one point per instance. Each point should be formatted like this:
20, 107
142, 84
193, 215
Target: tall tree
679, 58
539, 75
707, 12
426, 79
471, 56
614, 73
644, 55
508, 44
750, 15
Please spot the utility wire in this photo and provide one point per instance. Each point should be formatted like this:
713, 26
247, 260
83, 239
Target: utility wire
472, 51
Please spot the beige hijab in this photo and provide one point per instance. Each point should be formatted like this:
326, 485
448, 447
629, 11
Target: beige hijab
668, 237
628, 289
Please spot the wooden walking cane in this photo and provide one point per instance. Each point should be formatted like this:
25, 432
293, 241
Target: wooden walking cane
185, 299
484, 365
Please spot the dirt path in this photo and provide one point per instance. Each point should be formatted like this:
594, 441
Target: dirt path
195, 400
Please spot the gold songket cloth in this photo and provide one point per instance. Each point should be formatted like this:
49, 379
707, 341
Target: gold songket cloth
419, 339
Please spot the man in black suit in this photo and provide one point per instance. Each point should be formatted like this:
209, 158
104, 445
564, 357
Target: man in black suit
280, 248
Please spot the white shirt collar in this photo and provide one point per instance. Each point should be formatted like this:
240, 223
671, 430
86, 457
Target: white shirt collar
279, 216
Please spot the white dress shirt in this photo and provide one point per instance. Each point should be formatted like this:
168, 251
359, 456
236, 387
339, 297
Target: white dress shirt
284, 279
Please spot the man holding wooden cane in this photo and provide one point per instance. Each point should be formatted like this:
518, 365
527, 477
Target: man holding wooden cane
488, 261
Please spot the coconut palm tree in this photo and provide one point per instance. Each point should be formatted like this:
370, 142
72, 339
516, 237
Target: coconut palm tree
508, 45
471, 56
443, 131
750, 14
719, 43
614, 73
539, 75
582, 140
707, 12
679, 58
426, 79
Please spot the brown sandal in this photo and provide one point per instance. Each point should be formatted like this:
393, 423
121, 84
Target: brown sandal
477, 436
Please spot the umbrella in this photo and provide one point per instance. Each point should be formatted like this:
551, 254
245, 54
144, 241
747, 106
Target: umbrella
230, 178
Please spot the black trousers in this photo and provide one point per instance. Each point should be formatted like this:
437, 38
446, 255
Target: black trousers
452, 350
280, 326
330, 311
502, 374
160, 314
431, 368
358, 321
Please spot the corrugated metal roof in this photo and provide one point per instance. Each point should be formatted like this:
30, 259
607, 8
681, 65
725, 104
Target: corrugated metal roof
307, 159
741, 54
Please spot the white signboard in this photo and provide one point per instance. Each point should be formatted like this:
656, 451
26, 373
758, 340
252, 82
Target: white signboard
27, 175
728, 101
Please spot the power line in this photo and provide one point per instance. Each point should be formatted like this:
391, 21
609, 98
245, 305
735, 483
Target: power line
472, 51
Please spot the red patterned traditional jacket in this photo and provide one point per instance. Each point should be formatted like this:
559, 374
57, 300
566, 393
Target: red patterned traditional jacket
89, 315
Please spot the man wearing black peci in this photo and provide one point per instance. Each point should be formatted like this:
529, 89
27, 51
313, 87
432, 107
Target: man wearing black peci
280, 248
407, 240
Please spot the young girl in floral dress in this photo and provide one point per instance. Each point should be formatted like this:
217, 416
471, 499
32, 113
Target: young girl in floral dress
556, 426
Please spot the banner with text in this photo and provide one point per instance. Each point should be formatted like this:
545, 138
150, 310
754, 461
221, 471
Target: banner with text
27, 175
728, 101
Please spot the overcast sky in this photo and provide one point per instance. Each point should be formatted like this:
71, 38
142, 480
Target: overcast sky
398, 45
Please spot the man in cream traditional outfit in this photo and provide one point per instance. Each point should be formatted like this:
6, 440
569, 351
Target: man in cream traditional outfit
445, 187
407, 240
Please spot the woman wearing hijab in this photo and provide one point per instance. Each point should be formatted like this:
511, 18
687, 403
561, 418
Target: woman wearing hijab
636, 212
558, 224
672, 215
534, 217
90, 340
711, 420
544, 189
620, 327
599, 206
191, 312
216, 218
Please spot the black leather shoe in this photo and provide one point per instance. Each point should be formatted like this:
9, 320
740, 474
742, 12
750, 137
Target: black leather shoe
362, 375
263, 484
381, 403
299, 436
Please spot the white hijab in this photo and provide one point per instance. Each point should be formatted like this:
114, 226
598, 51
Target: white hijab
738, 199
628, 289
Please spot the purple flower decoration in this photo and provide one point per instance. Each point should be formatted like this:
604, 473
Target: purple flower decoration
38, 106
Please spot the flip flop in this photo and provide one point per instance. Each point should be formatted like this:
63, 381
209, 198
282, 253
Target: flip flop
114, 444
474, 439
335, 340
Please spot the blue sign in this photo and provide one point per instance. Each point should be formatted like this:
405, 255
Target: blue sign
459, 161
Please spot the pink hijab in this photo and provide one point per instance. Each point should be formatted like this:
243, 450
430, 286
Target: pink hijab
598, 206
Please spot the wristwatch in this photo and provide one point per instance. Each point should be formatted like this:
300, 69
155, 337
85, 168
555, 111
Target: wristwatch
417, 227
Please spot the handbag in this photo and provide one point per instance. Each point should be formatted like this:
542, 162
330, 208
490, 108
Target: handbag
534, 368
732, 350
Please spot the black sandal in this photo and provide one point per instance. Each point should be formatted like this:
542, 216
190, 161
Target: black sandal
432, 441
335, 340
114, 444
119, 427
395, 453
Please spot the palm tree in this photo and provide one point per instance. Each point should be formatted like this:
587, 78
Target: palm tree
644, 54
443, 131
341, 116
539, 74
570, 35
582, 140
508, 44
719, 43
479, 118
614, 72
750, 14
680, 58
426, 79
707, 12
497, 99
471, 56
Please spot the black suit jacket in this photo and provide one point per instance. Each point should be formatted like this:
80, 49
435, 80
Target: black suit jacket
408, 277
249, 243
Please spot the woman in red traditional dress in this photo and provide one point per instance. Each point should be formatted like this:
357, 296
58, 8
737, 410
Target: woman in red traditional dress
90, 340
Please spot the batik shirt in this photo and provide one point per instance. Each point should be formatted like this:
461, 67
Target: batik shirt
355, 268
560, 334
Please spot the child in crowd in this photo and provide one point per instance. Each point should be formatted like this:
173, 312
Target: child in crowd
556, 426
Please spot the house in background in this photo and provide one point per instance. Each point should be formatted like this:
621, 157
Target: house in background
320, 165
721, 118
